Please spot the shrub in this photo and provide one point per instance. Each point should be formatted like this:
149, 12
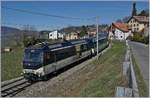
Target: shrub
146, 40
29, 41
140, 38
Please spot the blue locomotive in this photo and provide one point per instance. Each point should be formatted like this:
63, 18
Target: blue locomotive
44, 58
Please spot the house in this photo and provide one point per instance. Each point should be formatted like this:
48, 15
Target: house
7, 49
72, 35
91, 33
138, 23
55, 35
44, 34
119, 31
51, 35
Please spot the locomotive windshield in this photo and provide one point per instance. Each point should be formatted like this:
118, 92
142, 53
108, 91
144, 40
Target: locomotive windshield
33, 56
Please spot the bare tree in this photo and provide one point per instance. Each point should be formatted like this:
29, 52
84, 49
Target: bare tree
29, 34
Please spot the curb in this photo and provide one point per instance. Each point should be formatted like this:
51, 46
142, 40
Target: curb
128, 71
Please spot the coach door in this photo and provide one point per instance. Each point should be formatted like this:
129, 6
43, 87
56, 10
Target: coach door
78, 50
49, 62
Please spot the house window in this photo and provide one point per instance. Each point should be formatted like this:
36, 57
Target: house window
137, 24
121, 36
137, 29
134, 29
134, 25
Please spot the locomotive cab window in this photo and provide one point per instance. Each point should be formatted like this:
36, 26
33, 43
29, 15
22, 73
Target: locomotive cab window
33, 56
33, 59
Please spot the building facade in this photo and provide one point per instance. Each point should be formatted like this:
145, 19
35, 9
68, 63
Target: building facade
138, 23
72, 35
119, 31
92, 33
55, 35
44, 35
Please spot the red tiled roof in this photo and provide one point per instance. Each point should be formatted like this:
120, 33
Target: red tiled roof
121, 26
141, 18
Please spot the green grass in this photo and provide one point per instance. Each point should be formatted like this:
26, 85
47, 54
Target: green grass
108, 73
11, 64
143, 89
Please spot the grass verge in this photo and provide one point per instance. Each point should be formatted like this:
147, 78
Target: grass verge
107, 73
11, 64
143, 90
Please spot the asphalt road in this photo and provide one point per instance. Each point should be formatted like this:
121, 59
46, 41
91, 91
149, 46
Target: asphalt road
141, 54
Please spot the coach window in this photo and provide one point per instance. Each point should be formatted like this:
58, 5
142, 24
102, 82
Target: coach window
84, 47
49, 58
134, 29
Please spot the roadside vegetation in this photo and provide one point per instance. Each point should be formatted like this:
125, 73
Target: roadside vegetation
143, 89
140, 38
11, 64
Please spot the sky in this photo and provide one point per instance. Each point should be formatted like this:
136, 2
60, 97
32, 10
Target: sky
107, 11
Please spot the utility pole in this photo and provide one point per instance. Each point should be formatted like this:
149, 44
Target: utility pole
97, 18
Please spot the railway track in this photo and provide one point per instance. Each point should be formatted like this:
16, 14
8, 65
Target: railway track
11, 88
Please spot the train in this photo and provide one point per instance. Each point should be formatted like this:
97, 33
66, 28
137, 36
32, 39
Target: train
42, 59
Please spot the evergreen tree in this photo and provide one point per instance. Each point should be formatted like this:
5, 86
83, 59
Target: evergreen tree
143, 13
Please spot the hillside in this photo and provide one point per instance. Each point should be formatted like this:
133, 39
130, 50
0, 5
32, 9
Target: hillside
9, 35
12, 36
102, 28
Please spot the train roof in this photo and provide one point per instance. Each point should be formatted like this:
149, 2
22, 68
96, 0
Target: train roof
80, 41
48, 45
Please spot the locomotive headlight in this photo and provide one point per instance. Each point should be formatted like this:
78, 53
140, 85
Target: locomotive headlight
37, 73
24, 71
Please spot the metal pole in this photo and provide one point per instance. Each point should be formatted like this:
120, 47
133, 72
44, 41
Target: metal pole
97, 33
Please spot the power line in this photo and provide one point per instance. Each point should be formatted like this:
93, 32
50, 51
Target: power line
45, 14
22, 26
15, 24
